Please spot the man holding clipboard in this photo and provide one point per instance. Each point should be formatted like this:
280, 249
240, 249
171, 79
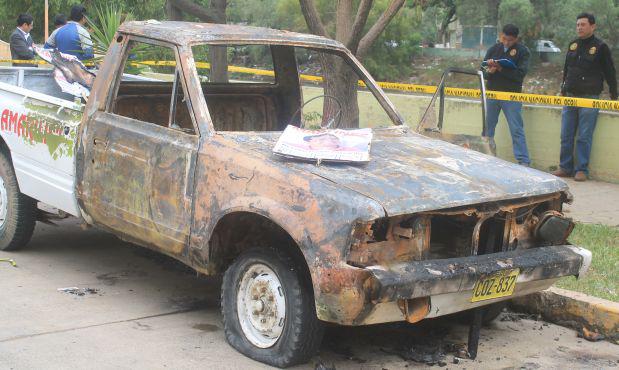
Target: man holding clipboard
505, 65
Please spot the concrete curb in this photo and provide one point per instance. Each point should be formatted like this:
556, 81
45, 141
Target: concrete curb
577, 310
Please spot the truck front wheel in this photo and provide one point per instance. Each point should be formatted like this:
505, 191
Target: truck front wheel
17, 211
268, 311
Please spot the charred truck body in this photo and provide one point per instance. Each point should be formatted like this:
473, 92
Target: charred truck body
183, 164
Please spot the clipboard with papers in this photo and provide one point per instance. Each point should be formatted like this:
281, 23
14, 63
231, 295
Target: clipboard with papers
505, 63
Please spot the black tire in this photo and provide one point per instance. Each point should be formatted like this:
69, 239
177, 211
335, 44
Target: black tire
302, 332
18, 225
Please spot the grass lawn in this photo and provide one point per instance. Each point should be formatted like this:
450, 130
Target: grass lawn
603, 277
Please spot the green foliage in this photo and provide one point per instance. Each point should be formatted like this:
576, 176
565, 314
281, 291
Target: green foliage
103, 27
477, 12
520, 12
431, 19
607, 19
392, 54
537, 19
601, 280
556, 19
9, 10
312, 120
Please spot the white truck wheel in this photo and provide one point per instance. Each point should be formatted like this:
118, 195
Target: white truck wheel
268, 311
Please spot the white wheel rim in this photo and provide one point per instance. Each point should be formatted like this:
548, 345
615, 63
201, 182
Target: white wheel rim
261, 306
4, 202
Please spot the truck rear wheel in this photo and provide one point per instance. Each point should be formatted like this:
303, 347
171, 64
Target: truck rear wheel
268, 311
17, 211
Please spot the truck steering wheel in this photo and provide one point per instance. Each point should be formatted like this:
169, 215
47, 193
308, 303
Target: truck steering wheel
336, 118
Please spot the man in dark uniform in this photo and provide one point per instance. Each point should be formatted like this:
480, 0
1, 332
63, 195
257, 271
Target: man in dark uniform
508, 78
21, 41
587, 64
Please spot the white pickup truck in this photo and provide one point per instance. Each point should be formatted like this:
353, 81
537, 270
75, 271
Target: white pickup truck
182, 163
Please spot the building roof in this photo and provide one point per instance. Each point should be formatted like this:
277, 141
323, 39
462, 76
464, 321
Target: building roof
183, 33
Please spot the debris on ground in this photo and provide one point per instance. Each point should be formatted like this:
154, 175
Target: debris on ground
335, 345
461, 350
590, 335
432, 353
427, 354
321, 366
517, 316
9, 260
79, 291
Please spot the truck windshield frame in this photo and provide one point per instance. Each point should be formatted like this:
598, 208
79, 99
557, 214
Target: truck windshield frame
371, 85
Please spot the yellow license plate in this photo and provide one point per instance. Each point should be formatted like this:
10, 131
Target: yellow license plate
499, 284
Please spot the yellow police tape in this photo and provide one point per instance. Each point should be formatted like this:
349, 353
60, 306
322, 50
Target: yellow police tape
419, 89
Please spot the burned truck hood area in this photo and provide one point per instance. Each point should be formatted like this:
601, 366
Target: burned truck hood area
409, 173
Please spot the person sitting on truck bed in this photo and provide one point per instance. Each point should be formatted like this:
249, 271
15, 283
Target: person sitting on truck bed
73, 38
21, 41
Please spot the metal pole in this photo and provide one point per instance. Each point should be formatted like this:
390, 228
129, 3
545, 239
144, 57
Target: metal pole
46, 19
484, 102
473, 344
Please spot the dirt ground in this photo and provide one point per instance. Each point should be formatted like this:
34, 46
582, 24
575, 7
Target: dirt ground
143, 310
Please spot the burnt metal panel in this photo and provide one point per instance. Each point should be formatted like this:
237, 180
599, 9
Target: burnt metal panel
449, 275
184, 33
410, 173
138, 180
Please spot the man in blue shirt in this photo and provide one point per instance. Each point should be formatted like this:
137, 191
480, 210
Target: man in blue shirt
73, 38
59, 22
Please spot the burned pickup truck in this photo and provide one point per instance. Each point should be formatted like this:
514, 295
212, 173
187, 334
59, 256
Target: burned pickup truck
174, 157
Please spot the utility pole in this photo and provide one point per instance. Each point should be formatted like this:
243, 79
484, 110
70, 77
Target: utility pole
46, 19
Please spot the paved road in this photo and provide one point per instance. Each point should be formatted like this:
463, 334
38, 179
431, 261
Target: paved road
150, 312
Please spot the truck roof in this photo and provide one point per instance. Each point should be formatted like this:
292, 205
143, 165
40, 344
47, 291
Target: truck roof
186, 33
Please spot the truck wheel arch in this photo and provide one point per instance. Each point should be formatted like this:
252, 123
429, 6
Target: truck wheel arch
257, 230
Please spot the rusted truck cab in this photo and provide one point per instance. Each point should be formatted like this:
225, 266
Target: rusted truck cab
185, 166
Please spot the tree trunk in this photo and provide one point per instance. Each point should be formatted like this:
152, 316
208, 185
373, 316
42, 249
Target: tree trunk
493, 12
341, 83
173, 13
218, 54
218, 58
216, 13
340, 80
447, 20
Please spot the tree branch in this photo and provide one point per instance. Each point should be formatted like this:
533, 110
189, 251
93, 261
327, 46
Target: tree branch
218, 9
312, 18
357, 28
343, 20
378, 27
192, 8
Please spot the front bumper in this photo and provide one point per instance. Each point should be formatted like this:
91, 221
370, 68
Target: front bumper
447, 284
451, 275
